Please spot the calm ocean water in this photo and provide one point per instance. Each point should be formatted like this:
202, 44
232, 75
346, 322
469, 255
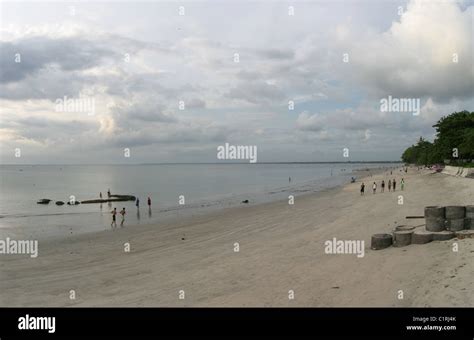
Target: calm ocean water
204, 186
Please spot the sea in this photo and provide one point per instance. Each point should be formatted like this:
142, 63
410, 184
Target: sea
176, 191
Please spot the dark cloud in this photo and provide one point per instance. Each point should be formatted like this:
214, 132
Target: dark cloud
69, 54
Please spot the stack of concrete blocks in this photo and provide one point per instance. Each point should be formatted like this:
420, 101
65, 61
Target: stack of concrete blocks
442, 223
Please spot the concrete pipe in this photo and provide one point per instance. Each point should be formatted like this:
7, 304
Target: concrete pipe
470, 211
443, 235
455, 212
435, 224
402, 238
456, 224
421, 237
381, 241
435, 212
404, 227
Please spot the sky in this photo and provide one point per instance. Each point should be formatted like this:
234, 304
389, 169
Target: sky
173, 81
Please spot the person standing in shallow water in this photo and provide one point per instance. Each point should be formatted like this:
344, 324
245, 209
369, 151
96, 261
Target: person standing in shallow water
389, 185
149, 202
114, 217
383, 185
362, 189
402, 184
374, 188
122, 212
137, 203
394, 184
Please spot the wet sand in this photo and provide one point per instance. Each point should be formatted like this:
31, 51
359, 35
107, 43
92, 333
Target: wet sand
281, 249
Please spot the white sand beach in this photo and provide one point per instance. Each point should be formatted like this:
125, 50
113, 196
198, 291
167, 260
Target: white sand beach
281, 249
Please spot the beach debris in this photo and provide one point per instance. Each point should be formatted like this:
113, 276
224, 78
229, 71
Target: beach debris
59, 203
43, 201
381, 241
443, 235
421, 237
402, 238
455, 212
245, 201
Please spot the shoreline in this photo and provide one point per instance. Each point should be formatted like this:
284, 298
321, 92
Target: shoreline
170, 213
281, 248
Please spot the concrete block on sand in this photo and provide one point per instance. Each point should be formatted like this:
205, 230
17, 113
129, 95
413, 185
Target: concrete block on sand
435, 223
464, 234
470, 211
469, 223
456, 224
434, 212
402, 238
381, 241
404, 227
455, 212
421, 237
443, 235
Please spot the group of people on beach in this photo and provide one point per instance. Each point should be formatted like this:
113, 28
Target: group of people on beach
114, 218
392, 186
123, 212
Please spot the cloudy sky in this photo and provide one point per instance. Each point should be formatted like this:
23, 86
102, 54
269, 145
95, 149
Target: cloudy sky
235, 66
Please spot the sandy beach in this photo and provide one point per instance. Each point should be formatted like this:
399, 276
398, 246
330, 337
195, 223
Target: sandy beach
193, 262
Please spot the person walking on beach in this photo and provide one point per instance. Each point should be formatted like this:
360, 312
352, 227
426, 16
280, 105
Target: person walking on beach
402, 184
137, 203
114, 216
374, 188
389, 185
122, 212
362, 189
383, 185
394, 184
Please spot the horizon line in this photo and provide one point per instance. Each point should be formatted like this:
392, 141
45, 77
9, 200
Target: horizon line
214, 163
